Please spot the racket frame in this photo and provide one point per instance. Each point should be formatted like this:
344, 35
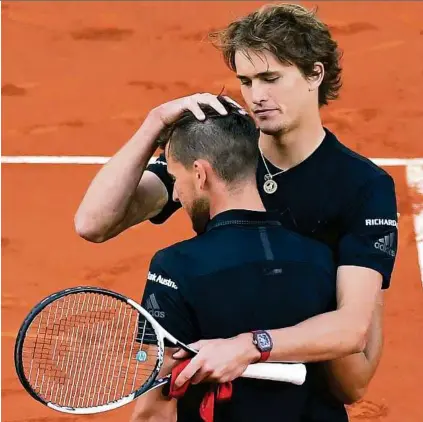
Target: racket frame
161, 333
276, 371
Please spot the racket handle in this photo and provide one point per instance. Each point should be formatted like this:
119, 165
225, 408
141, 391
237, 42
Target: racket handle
294, 373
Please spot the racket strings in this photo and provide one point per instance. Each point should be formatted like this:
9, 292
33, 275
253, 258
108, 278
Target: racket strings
87, 350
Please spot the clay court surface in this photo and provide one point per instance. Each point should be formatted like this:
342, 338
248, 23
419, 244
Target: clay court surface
78, 79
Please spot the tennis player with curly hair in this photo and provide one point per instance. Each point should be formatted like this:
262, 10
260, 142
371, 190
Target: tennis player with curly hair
288, 66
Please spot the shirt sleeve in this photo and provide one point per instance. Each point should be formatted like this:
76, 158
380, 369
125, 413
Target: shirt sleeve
371, 229
164, 300
159, 168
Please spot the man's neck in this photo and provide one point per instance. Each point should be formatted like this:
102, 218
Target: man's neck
291, 148
246, 197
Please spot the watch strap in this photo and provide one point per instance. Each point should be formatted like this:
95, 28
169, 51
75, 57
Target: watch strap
264, 354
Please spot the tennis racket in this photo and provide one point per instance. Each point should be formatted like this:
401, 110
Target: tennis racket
88, 350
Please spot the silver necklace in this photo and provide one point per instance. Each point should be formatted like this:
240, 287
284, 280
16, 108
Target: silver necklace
269, 186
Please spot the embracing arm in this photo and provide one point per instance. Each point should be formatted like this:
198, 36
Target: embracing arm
122, 194
367, 254
350, 376
370, 240
366, 258
333, 334
324, 337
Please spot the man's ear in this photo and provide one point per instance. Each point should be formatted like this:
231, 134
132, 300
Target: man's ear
316, 80
202, 171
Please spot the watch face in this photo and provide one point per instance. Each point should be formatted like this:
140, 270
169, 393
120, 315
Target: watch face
263, 341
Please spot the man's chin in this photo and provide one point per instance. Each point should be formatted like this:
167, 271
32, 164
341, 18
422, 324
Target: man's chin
274, 130
269, 128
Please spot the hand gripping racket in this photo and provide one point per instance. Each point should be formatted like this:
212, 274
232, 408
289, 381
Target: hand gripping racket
88, 350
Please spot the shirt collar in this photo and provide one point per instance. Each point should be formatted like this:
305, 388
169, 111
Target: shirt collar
240, 217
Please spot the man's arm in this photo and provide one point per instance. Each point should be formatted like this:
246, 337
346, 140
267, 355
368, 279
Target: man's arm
370, 241
122, 194
154, 406
350, 376
333, 334
366, 259
324, 337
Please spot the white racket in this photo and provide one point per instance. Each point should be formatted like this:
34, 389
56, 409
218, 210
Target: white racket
88, 350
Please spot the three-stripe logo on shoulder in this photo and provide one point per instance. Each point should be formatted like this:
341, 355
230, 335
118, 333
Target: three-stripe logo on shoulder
386, 244
153, 307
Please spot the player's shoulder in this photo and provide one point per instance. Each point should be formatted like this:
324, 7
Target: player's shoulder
178, 255
191, 258
354, 168
294, 246
300, 241
169, 267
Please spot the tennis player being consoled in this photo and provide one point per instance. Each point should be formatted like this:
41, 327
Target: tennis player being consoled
244, 270
288, 66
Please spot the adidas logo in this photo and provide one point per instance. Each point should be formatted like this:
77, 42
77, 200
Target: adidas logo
386, 244
153, 307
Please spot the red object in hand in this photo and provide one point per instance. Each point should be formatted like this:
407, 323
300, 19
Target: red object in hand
221, 393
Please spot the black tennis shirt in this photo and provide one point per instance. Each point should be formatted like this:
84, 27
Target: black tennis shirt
246, 272
336, 197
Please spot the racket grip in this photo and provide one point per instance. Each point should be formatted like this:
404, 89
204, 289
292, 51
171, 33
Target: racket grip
294, 373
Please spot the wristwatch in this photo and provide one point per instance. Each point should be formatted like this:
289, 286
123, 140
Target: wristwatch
264, 344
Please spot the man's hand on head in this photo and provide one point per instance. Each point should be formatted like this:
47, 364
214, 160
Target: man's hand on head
170, 111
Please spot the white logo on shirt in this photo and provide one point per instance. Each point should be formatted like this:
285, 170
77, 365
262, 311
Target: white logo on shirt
386, 244
161, 280
381, 222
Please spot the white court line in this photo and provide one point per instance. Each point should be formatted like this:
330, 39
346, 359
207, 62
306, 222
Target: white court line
414, 176
51, 159
414, 172
77, 159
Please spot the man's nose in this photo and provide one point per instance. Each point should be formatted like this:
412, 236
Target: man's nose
258, 93
175, 195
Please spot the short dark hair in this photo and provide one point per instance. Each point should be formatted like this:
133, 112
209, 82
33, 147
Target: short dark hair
228, 142
293, 34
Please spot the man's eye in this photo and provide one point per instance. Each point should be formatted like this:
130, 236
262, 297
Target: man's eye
245, 82
271, 79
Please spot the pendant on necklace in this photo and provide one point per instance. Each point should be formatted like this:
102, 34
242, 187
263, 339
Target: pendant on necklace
270, 186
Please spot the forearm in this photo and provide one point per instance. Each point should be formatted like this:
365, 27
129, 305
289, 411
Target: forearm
350, 376
324, 337
111, 191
